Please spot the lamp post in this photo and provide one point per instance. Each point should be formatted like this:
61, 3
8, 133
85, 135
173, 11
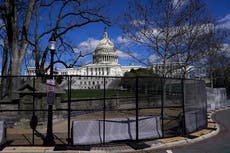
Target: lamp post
49, 139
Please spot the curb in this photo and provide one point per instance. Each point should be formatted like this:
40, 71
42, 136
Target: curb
189, 141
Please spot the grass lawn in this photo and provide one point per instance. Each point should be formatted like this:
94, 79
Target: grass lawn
87, 94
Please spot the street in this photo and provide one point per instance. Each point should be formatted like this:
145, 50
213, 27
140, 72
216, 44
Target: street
219, 144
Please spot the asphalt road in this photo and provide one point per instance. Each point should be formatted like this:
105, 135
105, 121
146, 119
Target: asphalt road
218, 144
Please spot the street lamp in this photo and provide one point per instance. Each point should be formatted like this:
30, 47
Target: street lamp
49, 139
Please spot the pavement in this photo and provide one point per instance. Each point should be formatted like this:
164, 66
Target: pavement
167, 145
216, 144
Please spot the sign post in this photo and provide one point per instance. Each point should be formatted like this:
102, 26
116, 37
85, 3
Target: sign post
50, 84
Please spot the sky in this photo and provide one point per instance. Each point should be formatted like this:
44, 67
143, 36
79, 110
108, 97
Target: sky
219, 9
87, 37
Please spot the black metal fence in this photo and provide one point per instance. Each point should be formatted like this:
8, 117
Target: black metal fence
180, 104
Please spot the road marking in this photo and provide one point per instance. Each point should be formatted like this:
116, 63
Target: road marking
169, 151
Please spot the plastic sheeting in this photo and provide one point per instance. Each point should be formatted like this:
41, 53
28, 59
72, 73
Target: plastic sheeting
148, 128
94, 131
195, 105
216, 98
2, 132
86, 132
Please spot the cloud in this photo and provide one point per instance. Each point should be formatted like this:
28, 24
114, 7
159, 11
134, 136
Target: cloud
123, 42
137, 22
153, 58
87, 46
180, 3
226, 48
224, 19
59, 66
125, 55
224, 22
90, 45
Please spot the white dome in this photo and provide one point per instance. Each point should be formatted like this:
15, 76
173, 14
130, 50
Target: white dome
105, 43
105, 51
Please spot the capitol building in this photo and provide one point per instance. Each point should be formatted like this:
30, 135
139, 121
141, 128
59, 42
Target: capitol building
105, 63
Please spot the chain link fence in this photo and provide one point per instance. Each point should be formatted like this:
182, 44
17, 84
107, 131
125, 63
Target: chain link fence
98, 110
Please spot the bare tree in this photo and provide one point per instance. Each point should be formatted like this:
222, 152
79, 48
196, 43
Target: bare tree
217, 57
173, 31
29, 24
70, 15
16, 16
4, 60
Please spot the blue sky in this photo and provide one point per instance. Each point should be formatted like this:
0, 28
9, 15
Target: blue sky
219, 9
92, 33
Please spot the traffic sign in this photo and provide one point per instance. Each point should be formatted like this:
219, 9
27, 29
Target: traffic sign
50, 84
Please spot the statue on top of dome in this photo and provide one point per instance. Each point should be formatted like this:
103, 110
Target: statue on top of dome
105, 35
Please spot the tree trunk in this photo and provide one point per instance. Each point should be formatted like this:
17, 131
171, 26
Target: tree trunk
15, 68
17, 42
4, 82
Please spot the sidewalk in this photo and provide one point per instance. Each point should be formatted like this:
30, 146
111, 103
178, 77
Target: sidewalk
212, 130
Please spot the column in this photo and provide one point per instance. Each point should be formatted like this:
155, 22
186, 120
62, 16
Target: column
108, 70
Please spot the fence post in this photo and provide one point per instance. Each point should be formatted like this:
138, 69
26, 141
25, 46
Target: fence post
183, 105
104, 107
137, 111
162, 105
69, 108
33, 105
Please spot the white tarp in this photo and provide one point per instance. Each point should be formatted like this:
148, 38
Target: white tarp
216, 98
92, 131
2, 132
